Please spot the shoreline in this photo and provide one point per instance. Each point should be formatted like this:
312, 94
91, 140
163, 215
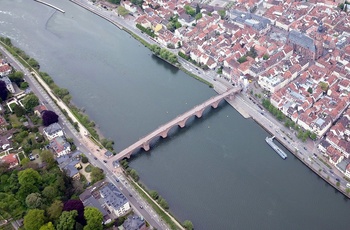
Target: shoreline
304, 161
98, 14
235, 104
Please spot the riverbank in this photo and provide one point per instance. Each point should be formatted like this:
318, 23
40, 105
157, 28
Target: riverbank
97, 13
302, 159
238, 104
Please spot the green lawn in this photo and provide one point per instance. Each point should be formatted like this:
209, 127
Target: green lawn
14, 121
88, 168
21, 156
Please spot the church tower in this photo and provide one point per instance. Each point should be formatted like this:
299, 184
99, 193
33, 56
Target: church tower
319, 41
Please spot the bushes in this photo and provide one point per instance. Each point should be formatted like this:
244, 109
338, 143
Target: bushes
148, 31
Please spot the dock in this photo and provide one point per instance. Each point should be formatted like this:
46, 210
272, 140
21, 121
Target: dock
278, 150
52, 6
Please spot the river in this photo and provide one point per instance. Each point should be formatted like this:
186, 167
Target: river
218, 171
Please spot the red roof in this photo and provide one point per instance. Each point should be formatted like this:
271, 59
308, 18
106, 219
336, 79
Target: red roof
10, 159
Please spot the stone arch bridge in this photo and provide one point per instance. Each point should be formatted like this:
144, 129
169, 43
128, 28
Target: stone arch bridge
180, 121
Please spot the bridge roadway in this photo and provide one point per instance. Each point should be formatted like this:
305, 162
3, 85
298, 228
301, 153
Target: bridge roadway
178, 121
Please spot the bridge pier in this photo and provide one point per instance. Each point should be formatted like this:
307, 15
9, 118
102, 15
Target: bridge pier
231, 96
164, 134
215, 104
199, 113
146, 146
182, 123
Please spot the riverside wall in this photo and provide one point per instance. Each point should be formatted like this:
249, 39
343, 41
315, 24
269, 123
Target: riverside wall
97, 13
239, 109
300, 158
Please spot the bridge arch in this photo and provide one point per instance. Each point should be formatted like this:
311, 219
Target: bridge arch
180, 121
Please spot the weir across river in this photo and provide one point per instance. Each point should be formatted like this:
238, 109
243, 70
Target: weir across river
180, 121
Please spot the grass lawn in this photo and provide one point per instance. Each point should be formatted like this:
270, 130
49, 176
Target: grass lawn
88, 168
14, 121
21, 156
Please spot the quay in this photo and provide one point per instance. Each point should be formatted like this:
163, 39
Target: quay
52, 6
106, 17
280, 152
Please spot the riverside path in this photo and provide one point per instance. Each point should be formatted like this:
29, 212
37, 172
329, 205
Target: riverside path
180, 121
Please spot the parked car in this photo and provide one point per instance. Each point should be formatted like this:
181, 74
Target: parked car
31, 157
105, 161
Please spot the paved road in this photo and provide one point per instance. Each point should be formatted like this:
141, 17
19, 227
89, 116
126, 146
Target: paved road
95, 155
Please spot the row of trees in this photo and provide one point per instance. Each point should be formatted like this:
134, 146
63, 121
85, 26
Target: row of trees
303, 135
148, 31
154, 194
72, 215
18, 52
164, 54
17, 77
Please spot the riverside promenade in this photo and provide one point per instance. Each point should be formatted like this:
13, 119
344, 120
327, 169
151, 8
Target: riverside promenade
247, 109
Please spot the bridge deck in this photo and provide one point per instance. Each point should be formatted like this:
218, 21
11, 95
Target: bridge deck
146, 139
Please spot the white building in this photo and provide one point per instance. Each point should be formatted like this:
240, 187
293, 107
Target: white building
114, 200
52, 131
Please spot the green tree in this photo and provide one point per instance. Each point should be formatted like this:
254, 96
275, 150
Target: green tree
24, 85
84, 159
96, 174
61, 92
67, 220
313, 136
16, 77
25, 162
29, 176
198, 16
10, 205
93, 218
122, 11
48, 226
55, 210
187, 225
162, 202
309, 90
137, 2
34, 200
47, 157
30, 102
324, 86
153, 194
266, 56
34, 219
190, 11
33, 63
134, 174
242, 59
25, 190
222, 13
19, 110
49, 193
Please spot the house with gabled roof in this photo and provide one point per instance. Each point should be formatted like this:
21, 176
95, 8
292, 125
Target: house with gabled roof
11, 160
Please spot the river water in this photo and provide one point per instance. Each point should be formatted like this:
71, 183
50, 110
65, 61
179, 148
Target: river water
218, 171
